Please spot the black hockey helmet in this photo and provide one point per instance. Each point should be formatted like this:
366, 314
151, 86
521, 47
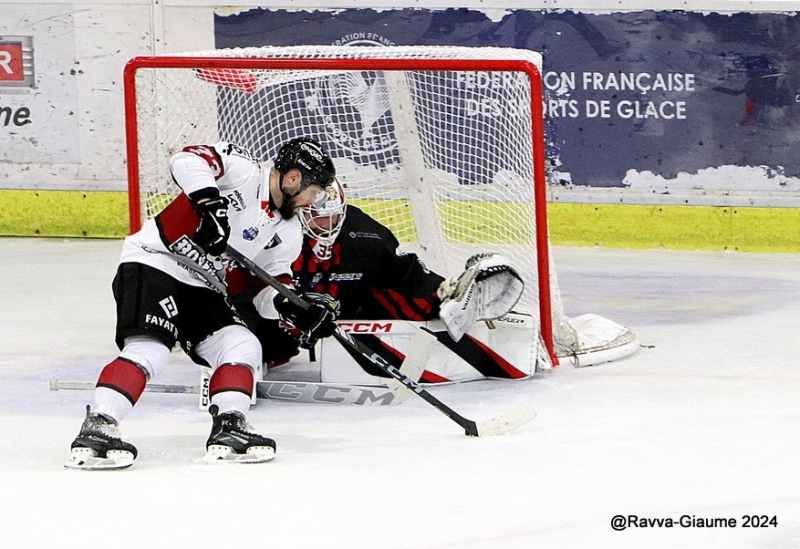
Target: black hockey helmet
308, 156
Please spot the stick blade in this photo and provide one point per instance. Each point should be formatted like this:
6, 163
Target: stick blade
504, 423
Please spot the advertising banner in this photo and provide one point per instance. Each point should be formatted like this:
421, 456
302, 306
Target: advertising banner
38, 90
647, 100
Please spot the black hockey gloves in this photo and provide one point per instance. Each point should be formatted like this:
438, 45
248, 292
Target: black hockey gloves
213, 230
315, 322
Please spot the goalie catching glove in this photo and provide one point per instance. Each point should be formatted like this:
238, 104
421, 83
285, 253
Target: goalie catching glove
486, 290
314, 322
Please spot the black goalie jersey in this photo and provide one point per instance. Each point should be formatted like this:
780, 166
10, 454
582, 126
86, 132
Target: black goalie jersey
368, 276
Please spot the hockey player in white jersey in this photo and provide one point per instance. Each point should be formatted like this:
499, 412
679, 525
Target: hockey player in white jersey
170, 288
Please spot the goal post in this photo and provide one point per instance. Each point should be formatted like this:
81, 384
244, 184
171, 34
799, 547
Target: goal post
442, 144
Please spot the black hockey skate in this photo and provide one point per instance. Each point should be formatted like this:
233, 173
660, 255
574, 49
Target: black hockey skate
98, 445
232, 440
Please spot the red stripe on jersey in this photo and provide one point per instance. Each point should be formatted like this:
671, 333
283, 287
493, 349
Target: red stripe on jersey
124, 377
380, 298
308, 264
297, 266
424, 304
316, 265
176, 220
231, 377
332, 289
401, 307
405, 306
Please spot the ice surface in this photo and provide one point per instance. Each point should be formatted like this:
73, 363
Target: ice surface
704, 420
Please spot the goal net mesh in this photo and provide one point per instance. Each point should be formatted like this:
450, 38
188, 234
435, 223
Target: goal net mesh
444, 158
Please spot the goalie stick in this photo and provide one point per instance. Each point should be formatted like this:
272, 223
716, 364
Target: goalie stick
305, 392
498, 425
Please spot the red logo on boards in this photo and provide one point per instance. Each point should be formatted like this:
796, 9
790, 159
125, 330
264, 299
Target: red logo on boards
16, 63
11, 62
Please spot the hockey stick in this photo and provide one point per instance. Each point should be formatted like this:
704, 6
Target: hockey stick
412, 366
293, 391
61, 385
498, 425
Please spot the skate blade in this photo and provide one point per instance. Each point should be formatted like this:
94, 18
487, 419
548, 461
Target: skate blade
217, 453
85, 458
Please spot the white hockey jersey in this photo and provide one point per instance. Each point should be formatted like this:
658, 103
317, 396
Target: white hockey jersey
262, 234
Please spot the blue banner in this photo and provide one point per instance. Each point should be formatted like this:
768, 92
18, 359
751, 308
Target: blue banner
660, 92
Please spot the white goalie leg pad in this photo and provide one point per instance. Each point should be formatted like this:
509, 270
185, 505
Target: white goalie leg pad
486, 290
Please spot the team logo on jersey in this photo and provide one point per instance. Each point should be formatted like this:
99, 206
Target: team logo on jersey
345, 277
276, 240
169, 306
199, 260
250, 234
237, 201
233, 149
362, 234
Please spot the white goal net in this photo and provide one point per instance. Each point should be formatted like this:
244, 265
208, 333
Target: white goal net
444, 145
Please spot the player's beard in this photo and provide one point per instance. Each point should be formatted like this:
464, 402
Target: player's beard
287, 208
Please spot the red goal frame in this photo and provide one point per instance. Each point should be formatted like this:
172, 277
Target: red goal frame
385, 64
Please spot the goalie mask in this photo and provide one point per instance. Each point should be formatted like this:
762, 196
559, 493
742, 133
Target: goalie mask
322, 224
307, 156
